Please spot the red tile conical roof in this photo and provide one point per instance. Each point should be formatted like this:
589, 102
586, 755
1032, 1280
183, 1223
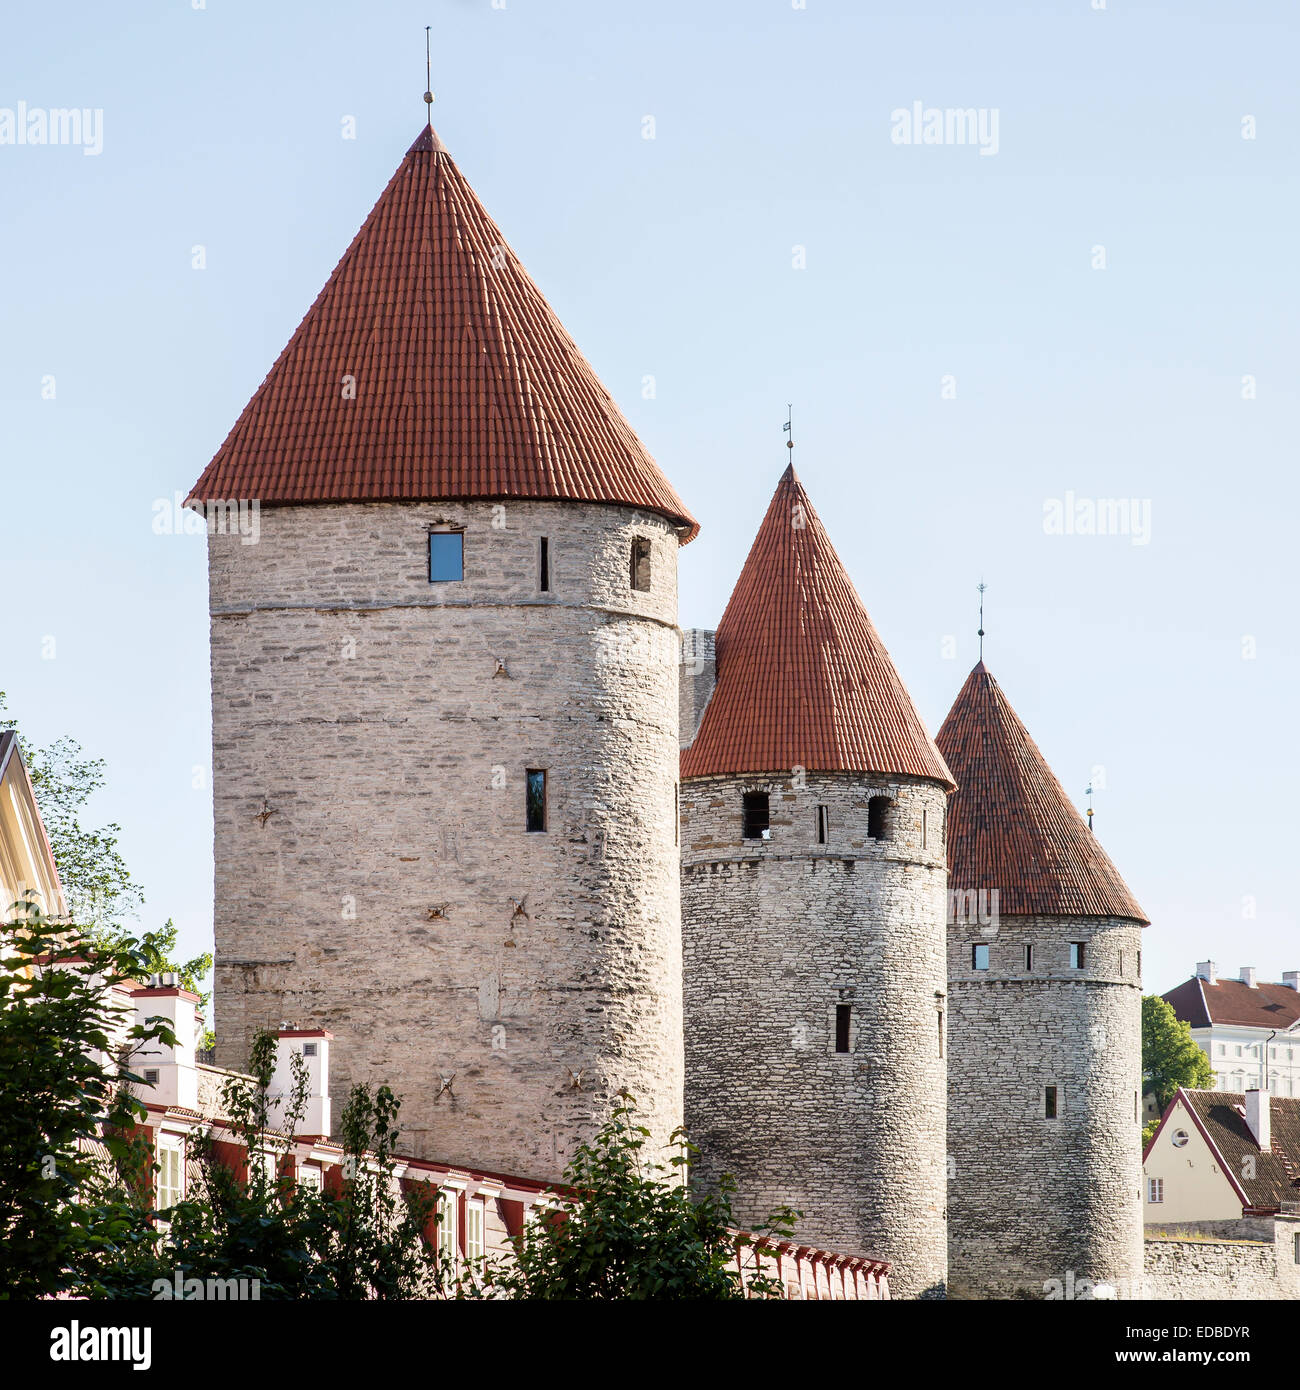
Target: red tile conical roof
1011, 826
803, 679
466, 383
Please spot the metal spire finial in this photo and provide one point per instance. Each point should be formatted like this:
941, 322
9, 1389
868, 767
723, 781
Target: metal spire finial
982, 587
788, 428
428, 77
1090, 807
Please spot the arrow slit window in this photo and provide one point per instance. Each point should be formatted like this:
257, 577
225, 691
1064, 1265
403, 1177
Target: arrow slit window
536, 798
843, 1025
641, 564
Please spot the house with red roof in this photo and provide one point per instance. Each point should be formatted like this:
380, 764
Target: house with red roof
1248, 1028
1223, 1155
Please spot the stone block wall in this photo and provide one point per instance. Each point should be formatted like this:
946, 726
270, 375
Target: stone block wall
699, 671
776, 935
374, 876
1224, 1260
1034, 1200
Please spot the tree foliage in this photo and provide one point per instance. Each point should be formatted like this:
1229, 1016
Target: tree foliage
627, 1227
248, 1220
101, 894
67, 1148
1170, 1057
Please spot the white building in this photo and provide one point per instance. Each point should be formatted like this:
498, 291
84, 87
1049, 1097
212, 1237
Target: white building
1249, 1029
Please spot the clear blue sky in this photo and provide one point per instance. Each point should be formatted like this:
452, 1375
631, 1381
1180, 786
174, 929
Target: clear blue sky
672, 257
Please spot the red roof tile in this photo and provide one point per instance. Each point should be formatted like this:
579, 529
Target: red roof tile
1234, 1003
1266, 1178
803, 679
1011, 826
467, 384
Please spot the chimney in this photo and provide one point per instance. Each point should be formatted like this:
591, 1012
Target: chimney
1291, 978
1248, 976
313, 1046
170, 1078
1207, 970
1257, 1117
696, 679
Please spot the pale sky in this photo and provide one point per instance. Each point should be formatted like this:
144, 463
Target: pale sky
959, 360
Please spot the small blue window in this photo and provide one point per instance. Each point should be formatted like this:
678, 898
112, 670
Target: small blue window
979, 956
446, 556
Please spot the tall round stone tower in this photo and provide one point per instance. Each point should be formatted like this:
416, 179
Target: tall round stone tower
1044, 1068
443, 580
813, 807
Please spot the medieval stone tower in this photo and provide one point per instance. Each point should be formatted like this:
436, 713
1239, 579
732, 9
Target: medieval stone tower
444, 683
1044, 1068
812, 818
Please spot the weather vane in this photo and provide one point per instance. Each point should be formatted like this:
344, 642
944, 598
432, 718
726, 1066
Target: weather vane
982, 587
1089, 807
428, 77
788, 428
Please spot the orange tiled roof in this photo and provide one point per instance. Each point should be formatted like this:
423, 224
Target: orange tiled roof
1011, 826
803, 679
466, 383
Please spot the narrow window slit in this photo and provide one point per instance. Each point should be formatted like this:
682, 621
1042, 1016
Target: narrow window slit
536, 798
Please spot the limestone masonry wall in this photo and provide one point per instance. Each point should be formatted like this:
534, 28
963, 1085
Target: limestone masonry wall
371, 733
777, 933
1033, 1199
1256, 1261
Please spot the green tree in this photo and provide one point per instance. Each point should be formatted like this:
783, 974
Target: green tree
367, 1240
66, 1113
627, 1227
102, 896
1170, 1058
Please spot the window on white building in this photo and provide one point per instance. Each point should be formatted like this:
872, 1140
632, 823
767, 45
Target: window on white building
1181, 1137
309, 1177
979, 956
474, 1230
170, 1157
448, 1235
1155, 1190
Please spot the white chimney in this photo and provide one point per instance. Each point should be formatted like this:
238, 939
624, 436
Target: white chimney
168, 1072
1207, 970
1291, 978
1257, 1117
1248, 976
313, 1046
